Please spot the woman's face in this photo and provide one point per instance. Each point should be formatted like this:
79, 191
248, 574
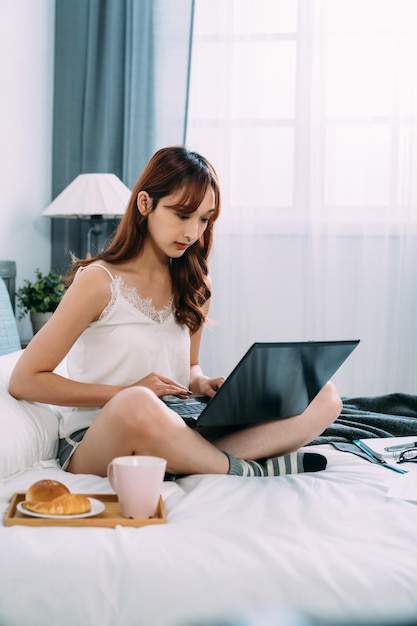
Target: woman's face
172, 232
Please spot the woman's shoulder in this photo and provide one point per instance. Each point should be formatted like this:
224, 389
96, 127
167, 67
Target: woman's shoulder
95, 267
94, 280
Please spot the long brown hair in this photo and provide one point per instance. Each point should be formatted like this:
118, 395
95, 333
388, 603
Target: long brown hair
169, 170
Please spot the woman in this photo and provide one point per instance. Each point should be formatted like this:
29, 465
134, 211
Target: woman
131, 322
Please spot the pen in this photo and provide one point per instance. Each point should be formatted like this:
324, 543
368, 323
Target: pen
375, 459
401, 446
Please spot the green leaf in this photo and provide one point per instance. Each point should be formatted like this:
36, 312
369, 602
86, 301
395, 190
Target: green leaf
41, 296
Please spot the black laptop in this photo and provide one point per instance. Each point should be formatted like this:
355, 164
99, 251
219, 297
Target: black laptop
272, 381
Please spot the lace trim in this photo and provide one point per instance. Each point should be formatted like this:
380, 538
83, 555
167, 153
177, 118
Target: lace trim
144, 305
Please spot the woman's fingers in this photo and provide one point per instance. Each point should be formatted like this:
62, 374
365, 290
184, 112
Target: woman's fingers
163, 386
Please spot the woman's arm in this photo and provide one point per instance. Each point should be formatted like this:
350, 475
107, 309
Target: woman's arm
200, 384
33, 378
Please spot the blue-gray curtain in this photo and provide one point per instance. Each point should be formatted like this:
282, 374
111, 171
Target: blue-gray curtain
120, 93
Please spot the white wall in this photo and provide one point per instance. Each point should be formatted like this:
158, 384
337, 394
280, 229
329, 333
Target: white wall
26, 74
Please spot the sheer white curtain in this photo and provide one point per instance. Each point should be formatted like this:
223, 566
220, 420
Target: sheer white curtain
307, 109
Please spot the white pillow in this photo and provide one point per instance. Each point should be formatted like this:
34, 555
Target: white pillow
28, 430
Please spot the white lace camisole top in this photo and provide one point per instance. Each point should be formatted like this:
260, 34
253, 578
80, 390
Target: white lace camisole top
130, 340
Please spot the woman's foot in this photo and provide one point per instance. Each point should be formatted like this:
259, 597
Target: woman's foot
294, 463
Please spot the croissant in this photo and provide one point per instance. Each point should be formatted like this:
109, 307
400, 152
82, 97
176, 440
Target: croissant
67, 504
45, 490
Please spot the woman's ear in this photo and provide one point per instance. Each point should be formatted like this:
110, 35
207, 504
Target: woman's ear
144, 202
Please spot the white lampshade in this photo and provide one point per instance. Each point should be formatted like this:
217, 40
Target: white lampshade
91, 194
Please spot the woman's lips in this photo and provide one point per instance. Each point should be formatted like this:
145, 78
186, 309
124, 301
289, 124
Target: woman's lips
181, 246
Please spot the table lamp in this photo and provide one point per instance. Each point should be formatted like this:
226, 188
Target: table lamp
95, 197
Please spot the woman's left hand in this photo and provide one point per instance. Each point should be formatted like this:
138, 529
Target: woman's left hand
209, 386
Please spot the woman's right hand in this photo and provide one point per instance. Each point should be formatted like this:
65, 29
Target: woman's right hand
163, 386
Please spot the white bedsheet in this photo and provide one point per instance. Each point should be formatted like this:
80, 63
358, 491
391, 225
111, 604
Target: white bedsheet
331, 545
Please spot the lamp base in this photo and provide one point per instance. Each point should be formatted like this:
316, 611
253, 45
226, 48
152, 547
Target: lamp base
95, 229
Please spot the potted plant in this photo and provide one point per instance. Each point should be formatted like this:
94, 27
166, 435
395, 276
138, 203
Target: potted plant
41, 297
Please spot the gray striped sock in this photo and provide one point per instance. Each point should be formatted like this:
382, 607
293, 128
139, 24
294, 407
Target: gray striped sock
295, 463
240, 467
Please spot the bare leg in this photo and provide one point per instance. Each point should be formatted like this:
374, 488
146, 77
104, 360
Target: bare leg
283, 436
135, 421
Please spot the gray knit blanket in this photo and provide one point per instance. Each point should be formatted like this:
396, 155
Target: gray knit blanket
392, 415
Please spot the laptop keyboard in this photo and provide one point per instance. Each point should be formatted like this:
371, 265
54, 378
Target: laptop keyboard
186, 409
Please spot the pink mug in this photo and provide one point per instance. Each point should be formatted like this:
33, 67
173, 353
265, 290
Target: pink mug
137, 480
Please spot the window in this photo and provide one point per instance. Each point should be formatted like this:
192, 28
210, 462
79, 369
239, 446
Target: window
307, 109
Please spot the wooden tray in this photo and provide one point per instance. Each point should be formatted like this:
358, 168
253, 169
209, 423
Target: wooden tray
109, 518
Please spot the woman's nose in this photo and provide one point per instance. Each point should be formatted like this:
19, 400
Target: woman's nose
191, 230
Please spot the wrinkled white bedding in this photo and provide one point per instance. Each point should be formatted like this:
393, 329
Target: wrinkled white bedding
331, 545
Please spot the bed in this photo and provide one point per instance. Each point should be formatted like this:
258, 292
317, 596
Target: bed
336, 547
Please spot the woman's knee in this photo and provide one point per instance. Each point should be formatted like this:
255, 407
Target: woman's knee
331, 402
137, 409
334, 399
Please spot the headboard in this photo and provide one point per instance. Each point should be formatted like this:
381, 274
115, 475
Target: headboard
8, 274
9, 335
